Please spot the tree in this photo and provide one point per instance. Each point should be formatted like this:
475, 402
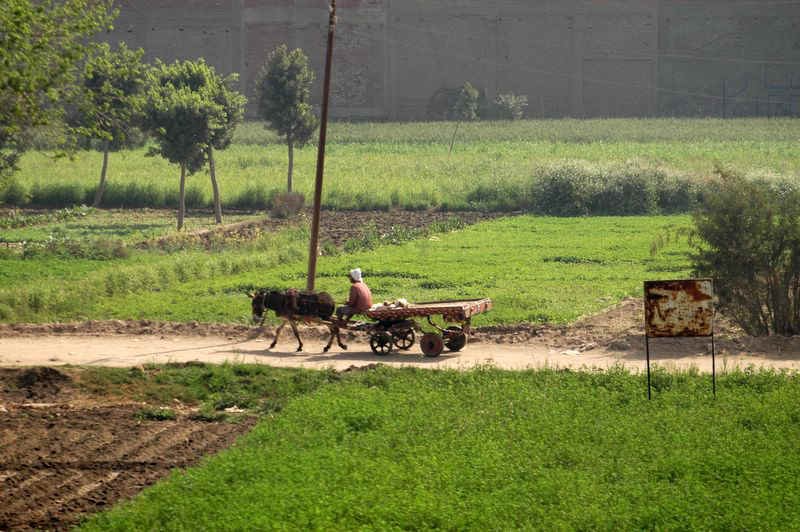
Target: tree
183, 117
750, 243
110, 103
463, 108
200, 77
41, 44
283, 89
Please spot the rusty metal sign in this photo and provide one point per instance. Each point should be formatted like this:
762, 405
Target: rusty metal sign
679, 308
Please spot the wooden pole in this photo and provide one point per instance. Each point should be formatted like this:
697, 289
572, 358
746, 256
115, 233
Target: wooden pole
323, 128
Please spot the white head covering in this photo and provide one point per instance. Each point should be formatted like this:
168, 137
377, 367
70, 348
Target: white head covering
355, 274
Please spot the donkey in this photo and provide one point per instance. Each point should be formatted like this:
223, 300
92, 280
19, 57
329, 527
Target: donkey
292, 305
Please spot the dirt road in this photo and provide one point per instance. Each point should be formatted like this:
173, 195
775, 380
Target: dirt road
130, 350
599, 341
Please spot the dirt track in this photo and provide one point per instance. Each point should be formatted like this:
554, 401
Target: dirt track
611, 337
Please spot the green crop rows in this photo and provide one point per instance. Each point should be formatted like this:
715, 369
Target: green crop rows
379, 166
535, 269
494, 450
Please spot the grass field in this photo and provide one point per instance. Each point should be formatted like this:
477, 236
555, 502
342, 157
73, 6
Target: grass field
129, 226
487, 449
535, 269
408, 165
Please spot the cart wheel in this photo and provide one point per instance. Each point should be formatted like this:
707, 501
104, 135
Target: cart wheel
431, 344
381, 343
403, 339
455, 339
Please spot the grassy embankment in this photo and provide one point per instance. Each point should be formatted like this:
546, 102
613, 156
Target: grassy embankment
487, 449
535, 269
408, 165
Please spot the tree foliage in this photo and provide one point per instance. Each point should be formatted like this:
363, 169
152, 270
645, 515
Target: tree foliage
283, 89
190, 111
510, 106
750, 233
41, 45
113, 90
465, 104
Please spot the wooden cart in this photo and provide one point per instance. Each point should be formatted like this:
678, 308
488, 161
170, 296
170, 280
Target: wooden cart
395, 326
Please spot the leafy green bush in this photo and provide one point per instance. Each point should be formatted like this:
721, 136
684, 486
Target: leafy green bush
58, 194
510, 106
625, 193
750, 243
14, 193
579, 189
566, 190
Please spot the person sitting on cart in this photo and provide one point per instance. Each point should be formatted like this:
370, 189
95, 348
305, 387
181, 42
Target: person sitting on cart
360, 297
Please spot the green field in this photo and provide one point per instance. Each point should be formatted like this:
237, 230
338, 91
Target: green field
494, 450
535, 269
380, 166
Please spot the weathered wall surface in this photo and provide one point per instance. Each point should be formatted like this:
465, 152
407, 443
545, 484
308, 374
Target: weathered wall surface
570, 57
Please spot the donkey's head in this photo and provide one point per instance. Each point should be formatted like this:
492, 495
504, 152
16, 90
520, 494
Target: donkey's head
258, 302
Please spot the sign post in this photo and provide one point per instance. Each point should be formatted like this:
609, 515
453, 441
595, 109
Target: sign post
679, 308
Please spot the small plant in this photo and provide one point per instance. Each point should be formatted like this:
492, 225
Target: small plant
510, 106
287, 204
156, 414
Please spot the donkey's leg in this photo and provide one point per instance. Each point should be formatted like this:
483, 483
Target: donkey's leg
339, 339
277, 333
296, 335
332, 330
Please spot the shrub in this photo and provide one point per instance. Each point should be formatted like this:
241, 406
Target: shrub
579, 189
287, 204
750, 243
510, 106
14, 193
626, 193
563, 191
58, 194
676, 194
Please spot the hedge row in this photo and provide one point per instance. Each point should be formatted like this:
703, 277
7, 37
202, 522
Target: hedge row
571, 189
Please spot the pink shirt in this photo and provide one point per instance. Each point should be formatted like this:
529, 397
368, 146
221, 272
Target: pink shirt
360, 297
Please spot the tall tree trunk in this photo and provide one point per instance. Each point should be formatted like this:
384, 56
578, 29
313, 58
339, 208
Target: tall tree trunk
291, 162
101, 188
182, 198
214, 186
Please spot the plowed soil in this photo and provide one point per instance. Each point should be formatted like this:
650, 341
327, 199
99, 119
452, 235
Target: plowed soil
63, 456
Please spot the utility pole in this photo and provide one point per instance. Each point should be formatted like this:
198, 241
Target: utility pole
313, 246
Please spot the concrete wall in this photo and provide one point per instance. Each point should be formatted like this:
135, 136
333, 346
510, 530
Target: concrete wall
579, 58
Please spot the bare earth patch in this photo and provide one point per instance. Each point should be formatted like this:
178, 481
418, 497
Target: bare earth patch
64, 456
